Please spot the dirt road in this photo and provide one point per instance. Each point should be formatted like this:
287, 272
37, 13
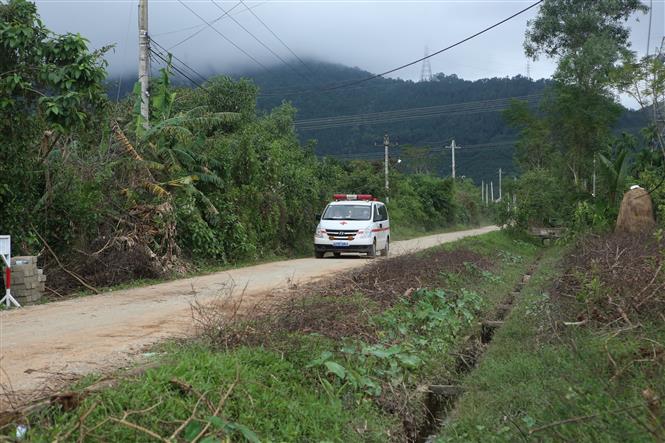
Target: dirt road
106, 331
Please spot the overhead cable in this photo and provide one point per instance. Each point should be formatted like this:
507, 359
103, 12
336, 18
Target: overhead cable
223, 36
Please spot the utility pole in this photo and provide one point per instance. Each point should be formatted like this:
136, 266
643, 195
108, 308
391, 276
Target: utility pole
593, 191
492, 190
386, 145
144, 62
482, 191
452, 147
499, 184
514, 193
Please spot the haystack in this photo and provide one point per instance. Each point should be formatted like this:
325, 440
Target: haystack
636, 213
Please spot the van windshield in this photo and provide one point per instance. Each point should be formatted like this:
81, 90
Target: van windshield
348, 212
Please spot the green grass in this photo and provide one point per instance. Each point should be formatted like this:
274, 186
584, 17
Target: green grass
306, 387
274, 397
530, 381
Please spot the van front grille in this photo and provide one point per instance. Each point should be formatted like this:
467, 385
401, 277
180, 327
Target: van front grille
341, 234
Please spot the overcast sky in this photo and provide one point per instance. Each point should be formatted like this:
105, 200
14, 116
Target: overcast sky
372, 35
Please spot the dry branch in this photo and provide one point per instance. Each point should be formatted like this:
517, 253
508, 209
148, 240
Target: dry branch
73, 274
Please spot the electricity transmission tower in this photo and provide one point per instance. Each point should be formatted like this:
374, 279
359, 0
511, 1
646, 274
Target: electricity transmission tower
426, 71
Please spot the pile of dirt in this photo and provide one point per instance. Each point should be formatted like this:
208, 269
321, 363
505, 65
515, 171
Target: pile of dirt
615, 278
315, 308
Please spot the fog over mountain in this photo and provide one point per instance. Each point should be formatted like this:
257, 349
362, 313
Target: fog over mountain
372, 35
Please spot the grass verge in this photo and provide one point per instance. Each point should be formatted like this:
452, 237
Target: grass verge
546, 380
350, 361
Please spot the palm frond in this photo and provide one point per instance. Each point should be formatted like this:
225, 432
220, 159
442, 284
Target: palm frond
211, 179
156, 189
182, 181
124, 142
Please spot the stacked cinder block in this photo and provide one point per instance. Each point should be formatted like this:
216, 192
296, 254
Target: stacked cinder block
28, 282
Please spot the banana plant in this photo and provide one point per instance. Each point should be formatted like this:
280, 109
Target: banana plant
168, 143
615, 175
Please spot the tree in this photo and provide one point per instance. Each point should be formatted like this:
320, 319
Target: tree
644, 80
534, 150
589, 41
586, 37
50, 88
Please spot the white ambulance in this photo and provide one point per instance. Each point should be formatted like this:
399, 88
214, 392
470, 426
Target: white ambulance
353, 223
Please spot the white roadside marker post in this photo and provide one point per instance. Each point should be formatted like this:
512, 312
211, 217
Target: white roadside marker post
6, 254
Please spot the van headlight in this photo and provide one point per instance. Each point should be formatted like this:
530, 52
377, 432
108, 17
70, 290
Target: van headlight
365, 233
319, 233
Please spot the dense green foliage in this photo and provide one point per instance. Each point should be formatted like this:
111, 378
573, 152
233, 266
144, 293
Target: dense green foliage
50, 86
212, 180
576, 167
416, 137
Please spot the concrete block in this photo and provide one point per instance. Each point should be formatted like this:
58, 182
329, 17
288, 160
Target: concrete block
24, 260
32, 284
24, 271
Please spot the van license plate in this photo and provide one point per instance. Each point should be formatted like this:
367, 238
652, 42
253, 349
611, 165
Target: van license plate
340, 243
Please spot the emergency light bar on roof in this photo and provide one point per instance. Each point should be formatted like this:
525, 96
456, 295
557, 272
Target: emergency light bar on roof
368, 197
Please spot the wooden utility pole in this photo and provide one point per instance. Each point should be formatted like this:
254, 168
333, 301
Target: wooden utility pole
144, 62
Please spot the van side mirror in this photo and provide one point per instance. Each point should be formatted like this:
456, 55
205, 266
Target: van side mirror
318, 217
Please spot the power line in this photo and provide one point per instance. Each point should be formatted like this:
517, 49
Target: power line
346, 85
428, 108
377, 155
203, 27
649, 32
175, 68
223, 36
406, 65
176, 58
189, 28
410, 114
276, 36
258, 40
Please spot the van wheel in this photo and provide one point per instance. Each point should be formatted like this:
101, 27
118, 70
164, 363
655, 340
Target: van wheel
319, 254
384, 252
372, 252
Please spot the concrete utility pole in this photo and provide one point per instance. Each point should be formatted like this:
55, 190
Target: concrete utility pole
499, 184
514, 194
492, 191
452, 148
144, 62
593, 191
482, 191
386, 144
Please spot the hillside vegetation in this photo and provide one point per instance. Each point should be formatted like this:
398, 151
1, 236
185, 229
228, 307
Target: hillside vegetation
489, 129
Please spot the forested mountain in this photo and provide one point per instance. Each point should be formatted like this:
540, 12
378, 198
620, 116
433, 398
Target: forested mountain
487, 142
485, 138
